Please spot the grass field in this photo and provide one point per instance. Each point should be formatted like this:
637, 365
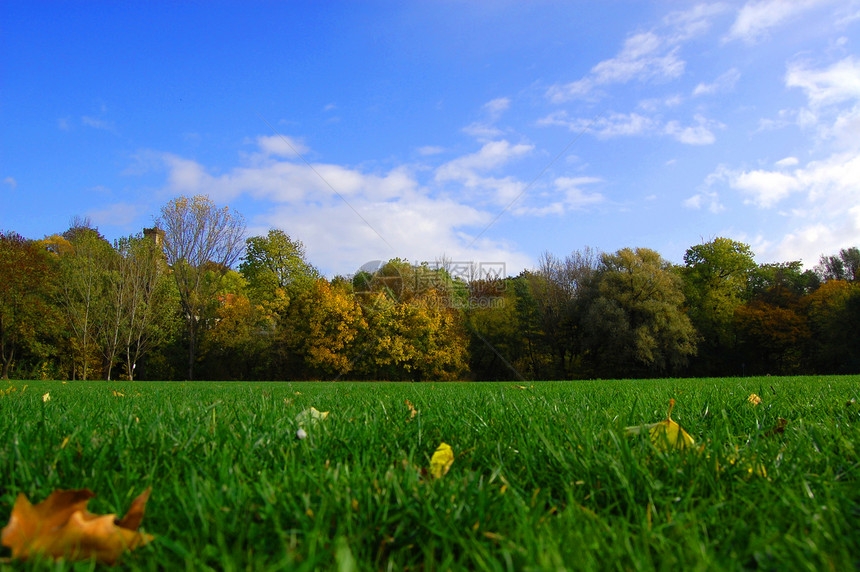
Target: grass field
544, 476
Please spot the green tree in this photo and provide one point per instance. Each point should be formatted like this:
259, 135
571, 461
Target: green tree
84, 261
844, 266
716, 275
276, 261
635, 323
27, 317
199, 238
148, 300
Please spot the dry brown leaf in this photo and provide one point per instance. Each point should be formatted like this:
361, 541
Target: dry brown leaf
780, 426
61, 526
412, 411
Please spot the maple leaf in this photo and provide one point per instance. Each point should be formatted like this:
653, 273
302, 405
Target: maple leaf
441, 461
665, 434
61, 526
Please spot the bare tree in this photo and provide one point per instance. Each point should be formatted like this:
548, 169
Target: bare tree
201, 242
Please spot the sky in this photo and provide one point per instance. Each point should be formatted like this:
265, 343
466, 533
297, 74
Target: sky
488, 132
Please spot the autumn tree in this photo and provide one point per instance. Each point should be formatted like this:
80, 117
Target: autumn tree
771, 327
832, 313
199, 237
635, 322
26, 288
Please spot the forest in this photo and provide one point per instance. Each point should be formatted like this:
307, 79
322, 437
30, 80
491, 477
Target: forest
195, 298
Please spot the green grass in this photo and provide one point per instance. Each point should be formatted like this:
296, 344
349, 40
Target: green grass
544, 477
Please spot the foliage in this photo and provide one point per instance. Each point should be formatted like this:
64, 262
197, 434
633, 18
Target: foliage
201, 242
715, 276
635, 321
28, 318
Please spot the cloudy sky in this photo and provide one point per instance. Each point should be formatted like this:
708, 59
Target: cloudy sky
487, 131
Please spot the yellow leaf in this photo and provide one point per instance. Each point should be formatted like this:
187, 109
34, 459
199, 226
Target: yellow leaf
61, 526
310, 415
754, 399
46, 398
668, 434
441, 460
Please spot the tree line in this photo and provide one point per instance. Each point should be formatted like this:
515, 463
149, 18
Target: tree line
194, 298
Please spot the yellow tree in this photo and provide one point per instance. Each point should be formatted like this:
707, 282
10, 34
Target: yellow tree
199, 238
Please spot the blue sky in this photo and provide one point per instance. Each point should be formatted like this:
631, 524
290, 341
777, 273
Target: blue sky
475, 131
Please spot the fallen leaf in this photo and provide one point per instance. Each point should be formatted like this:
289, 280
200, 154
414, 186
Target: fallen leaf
754, 399
46, 398
117, 394
310, 415
665, 434
61, 526
412, 410
780, 426
441, 461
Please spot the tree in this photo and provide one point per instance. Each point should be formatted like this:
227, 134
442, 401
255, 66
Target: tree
276, 261
832, 318
26, 287
148, 303
715, 277
84, 259
635, 322
845, 266
771, 327
199, 237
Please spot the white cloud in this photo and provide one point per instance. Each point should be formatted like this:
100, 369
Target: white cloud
281, 145
498, 105
97, 123
420, 223
687, 24
11, 182
492, 155
787, 162
836, 84
725, 82
756, 18
699, 134
428, 150
765, 188
635, 124
645, 56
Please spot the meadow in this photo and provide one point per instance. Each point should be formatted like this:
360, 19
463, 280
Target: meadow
545, 477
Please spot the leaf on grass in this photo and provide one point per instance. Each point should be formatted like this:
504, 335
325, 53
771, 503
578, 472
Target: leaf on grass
754, 399
441, 461
61, 526
665, 434
412, 411
117, 393
46, 397
310, 416
780, 426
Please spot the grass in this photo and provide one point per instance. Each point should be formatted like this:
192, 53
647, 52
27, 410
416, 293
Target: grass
545, 477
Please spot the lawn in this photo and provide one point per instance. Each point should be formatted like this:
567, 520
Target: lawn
544, 477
